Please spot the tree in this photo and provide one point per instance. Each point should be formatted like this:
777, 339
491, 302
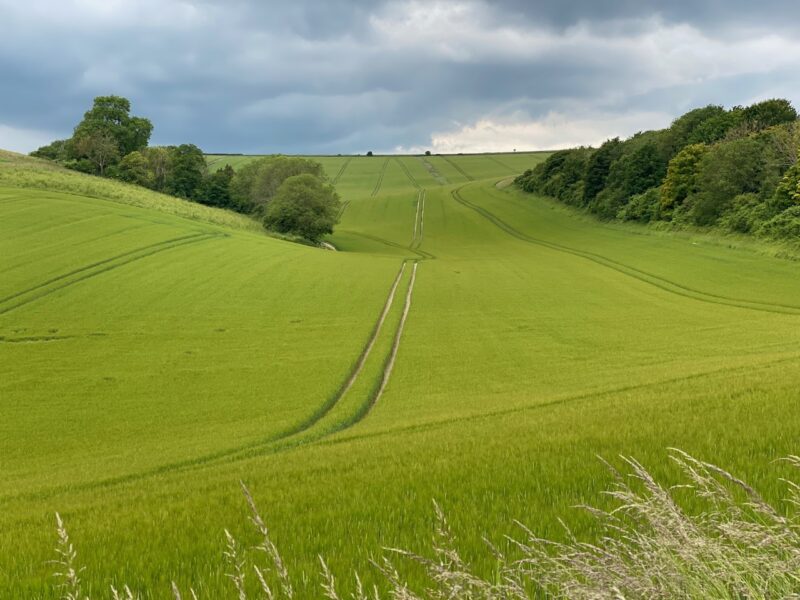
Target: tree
188, 167
134, 168
99, 147
770, 112
303, 205
369, 153
57, 150
724, 172
254, 185
427, 152
215, 190
681, 179
597, 168
110, 115
159, 164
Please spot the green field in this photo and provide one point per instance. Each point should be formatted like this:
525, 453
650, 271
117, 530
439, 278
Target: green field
467, 343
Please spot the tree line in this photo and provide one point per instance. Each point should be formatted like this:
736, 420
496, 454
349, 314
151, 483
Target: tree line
735, 169
287, 194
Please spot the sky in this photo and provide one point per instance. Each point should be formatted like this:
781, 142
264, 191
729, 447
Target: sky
348, 76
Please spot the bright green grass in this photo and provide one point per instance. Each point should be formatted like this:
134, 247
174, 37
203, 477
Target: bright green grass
136, 398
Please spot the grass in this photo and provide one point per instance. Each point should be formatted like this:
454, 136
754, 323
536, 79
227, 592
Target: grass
739, 547
150, 362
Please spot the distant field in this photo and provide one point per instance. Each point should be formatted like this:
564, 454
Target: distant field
468, 343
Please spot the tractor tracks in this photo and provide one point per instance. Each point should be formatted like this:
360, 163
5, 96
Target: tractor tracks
341, 170
378, 183
304, 432
60, 282
458, 168
411, 177
643, 276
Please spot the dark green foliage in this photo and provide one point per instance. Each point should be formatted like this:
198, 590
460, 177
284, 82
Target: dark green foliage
644, 207
256, 183
681, 179
427, 152
110, 115
57, 150
785, 226
187, 169
746, 214
133, 168
737, 169
560, 176
369, 153
701, 125
769, 112
303, 205
641, 167
215, 190
726, 171
598, 167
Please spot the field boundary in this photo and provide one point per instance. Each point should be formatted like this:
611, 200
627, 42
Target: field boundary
643, 276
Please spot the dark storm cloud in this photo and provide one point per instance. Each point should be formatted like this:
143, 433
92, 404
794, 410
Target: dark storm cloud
344, 76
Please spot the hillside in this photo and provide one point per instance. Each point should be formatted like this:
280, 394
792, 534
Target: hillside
469, 343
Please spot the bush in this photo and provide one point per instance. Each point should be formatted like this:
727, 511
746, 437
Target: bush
785, 226
747, 213
644, 207
305, 206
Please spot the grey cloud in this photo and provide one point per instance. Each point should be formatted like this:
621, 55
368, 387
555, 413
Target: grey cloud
315, 76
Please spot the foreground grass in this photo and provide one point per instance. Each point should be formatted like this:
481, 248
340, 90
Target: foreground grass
740, 547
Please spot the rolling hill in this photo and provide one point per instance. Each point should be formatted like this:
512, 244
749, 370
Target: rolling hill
467, 343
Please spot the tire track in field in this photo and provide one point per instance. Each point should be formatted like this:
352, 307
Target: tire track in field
458, 168
344, 206
643, 276
411, 178
422, 254
341, 170
279, 441
64, 281
380, 177
419, 221
502, 164
441, 179
439, 423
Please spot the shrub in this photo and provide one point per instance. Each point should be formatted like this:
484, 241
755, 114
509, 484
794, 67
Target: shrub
305, 206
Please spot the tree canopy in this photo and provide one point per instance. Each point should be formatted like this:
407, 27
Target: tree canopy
303, 205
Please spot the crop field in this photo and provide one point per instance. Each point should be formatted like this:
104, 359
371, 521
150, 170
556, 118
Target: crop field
466, 343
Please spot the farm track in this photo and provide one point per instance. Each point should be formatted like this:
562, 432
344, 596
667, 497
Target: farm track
643, 276
344, 206
411, 177
458, 168
434, 172
497, 161
423, 255
378, 183
98, 268
419, 220
341, 170
282, 440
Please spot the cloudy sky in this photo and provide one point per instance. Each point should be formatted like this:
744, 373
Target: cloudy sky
341, 76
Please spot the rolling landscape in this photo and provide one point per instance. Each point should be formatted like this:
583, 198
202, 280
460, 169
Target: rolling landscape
482, 301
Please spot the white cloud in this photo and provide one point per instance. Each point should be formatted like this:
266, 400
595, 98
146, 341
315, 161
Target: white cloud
551, 132
23, 140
